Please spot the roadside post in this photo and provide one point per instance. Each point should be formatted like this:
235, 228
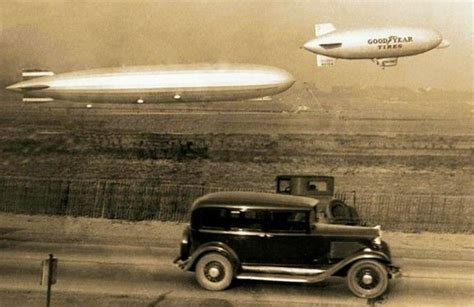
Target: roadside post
48, 277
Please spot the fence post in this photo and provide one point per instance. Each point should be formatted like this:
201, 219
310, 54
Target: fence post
354, 198
96, 197
104, 200
177, 211
64, 199
460, 206
430, 213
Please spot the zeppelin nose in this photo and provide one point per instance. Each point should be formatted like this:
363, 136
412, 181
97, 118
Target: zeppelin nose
287, 80
312, 45
290, 79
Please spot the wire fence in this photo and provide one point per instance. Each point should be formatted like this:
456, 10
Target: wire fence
415, 212
150, 200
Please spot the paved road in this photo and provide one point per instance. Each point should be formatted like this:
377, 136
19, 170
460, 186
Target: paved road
130, 273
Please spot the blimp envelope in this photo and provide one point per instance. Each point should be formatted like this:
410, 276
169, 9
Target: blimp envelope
382, 45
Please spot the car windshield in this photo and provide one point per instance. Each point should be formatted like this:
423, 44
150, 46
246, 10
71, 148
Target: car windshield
284, 186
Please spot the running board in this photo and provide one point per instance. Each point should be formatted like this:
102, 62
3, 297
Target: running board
282, 274
273, 277
281, 277
281, 270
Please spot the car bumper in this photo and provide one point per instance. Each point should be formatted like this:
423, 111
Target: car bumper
394, 271
181, 264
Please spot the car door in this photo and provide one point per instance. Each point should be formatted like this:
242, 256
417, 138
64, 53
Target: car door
247, 234
289, 241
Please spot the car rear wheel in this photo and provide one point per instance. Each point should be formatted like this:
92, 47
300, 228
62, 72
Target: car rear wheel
367, 279
214, 272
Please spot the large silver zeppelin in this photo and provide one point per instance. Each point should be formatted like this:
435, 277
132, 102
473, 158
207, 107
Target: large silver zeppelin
154, 84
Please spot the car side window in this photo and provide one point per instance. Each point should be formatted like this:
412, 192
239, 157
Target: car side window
284, 186
288, 221
249, 220
318, 186
211, 218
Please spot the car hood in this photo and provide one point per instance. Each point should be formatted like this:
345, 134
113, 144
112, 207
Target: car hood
345, 230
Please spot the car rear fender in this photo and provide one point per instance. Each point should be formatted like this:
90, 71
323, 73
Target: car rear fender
217, 247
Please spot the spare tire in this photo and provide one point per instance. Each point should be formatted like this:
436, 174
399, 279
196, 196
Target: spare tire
355, 219
337, 211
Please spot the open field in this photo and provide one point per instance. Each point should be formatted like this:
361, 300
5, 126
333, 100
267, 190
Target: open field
235, 149
375, 149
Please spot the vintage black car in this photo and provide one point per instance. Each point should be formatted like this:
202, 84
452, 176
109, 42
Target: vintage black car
273, 237
332, 207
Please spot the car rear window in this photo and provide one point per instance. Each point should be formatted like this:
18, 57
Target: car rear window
318, 186
288, 221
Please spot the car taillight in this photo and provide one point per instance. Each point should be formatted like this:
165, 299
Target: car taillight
185, 244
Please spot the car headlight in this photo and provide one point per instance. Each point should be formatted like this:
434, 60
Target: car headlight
378, 239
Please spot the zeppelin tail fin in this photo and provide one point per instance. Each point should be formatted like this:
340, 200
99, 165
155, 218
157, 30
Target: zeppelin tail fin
28, 74
323, 28
323, 60
37, 99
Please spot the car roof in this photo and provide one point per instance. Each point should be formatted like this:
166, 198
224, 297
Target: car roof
254, 200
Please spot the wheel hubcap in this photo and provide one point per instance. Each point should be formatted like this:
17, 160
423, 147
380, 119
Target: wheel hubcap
213, 272
367, 279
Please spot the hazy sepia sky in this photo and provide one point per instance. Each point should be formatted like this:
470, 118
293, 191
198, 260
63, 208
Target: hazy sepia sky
72, 35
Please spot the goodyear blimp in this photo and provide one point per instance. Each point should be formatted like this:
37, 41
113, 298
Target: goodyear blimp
381, 45
155, 84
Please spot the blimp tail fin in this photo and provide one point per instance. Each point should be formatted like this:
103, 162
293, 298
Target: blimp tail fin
444, 44
323, 60
37, 100
28, 74
323, 28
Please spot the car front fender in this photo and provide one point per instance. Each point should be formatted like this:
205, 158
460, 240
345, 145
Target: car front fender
362, 255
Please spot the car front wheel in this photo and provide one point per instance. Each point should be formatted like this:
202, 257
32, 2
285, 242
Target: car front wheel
367, 279
214, 272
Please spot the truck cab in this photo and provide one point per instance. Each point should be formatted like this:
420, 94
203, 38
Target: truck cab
331, 208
